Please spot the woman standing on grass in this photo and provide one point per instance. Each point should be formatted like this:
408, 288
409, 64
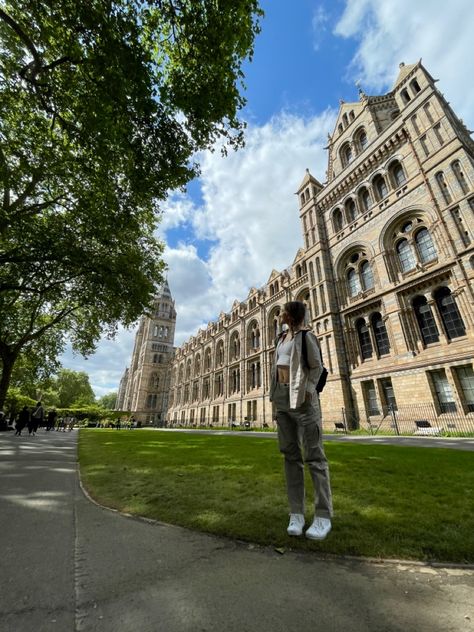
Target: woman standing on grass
298, 415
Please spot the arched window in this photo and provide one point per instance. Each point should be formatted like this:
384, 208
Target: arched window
311, 272
365, 200
362, 139
272, 290
427, 109
406, 257
155, 358
448, 310
304, 297
357, 272
397, 173
351, 210
220, 353
366, 276
424, 246
188, 370
460, 177
273, 325
406, 98
207, 360
151, 401
364, 339
346, 154
353, 282
197, 365
345, 120
415, 87
443, 187
154, 381
380, 187
337, 220
380, 333
426, 322
254, 337
235, 346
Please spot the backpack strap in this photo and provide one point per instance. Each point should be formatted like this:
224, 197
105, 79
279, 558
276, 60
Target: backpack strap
304, 348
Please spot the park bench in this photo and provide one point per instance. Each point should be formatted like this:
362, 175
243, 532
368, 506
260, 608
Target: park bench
424, 427
339, 426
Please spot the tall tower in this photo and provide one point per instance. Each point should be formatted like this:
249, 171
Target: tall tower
144, 386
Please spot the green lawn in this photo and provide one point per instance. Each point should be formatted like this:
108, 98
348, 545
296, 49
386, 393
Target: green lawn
412, 503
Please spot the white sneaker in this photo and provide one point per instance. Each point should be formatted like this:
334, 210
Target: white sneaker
319, 529
296, 524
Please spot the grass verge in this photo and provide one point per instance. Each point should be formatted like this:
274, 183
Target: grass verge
392, 502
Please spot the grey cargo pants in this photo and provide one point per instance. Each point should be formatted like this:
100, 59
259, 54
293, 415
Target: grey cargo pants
300, 440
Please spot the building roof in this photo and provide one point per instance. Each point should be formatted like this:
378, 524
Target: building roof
405, 70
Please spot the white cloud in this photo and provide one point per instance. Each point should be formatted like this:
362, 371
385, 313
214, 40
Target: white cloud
391, 31
176, 210
250, 212
106, 366
319, 25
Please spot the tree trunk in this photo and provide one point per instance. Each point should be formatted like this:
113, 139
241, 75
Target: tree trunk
8, 362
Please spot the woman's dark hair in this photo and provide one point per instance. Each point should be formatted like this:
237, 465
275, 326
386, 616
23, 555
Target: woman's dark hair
296, 311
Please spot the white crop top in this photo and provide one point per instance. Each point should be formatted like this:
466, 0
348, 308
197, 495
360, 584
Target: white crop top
284, 352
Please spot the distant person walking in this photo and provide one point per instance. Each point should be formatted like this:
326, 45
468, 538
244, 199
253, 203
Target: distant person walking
23, 420
296, 372
51, 419
36, 419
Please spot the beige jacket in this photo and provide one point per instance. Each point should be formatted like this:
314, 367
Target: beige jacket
302, 379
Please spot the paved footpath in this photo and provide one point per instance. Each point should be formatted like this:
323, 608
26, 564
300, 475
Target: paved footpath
67, 565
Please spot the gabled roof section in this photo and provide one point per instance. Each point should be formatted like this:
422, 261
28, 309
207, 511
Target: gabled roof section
298, 256
405, 70
344, 117
309, 178
273, 275
235, 305
252, 291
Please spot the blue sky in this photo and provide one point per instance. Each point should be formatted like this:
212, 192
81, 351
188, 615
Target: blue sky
240, 219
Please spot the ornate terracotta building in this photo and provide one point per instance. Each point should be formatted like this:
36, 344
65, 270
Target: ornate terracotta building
145, 385
386, 269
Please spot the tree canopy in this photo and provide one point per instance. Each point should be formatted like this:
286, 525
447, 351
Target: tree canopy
108, 401
73, 389
103, 106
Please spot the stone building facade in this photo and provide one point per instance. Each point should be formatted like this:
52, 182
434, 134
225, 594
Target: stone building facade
386, 270
145, 385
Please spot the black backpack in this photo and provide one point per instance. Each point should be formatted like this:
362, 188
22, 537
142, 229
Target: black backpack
304, 351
